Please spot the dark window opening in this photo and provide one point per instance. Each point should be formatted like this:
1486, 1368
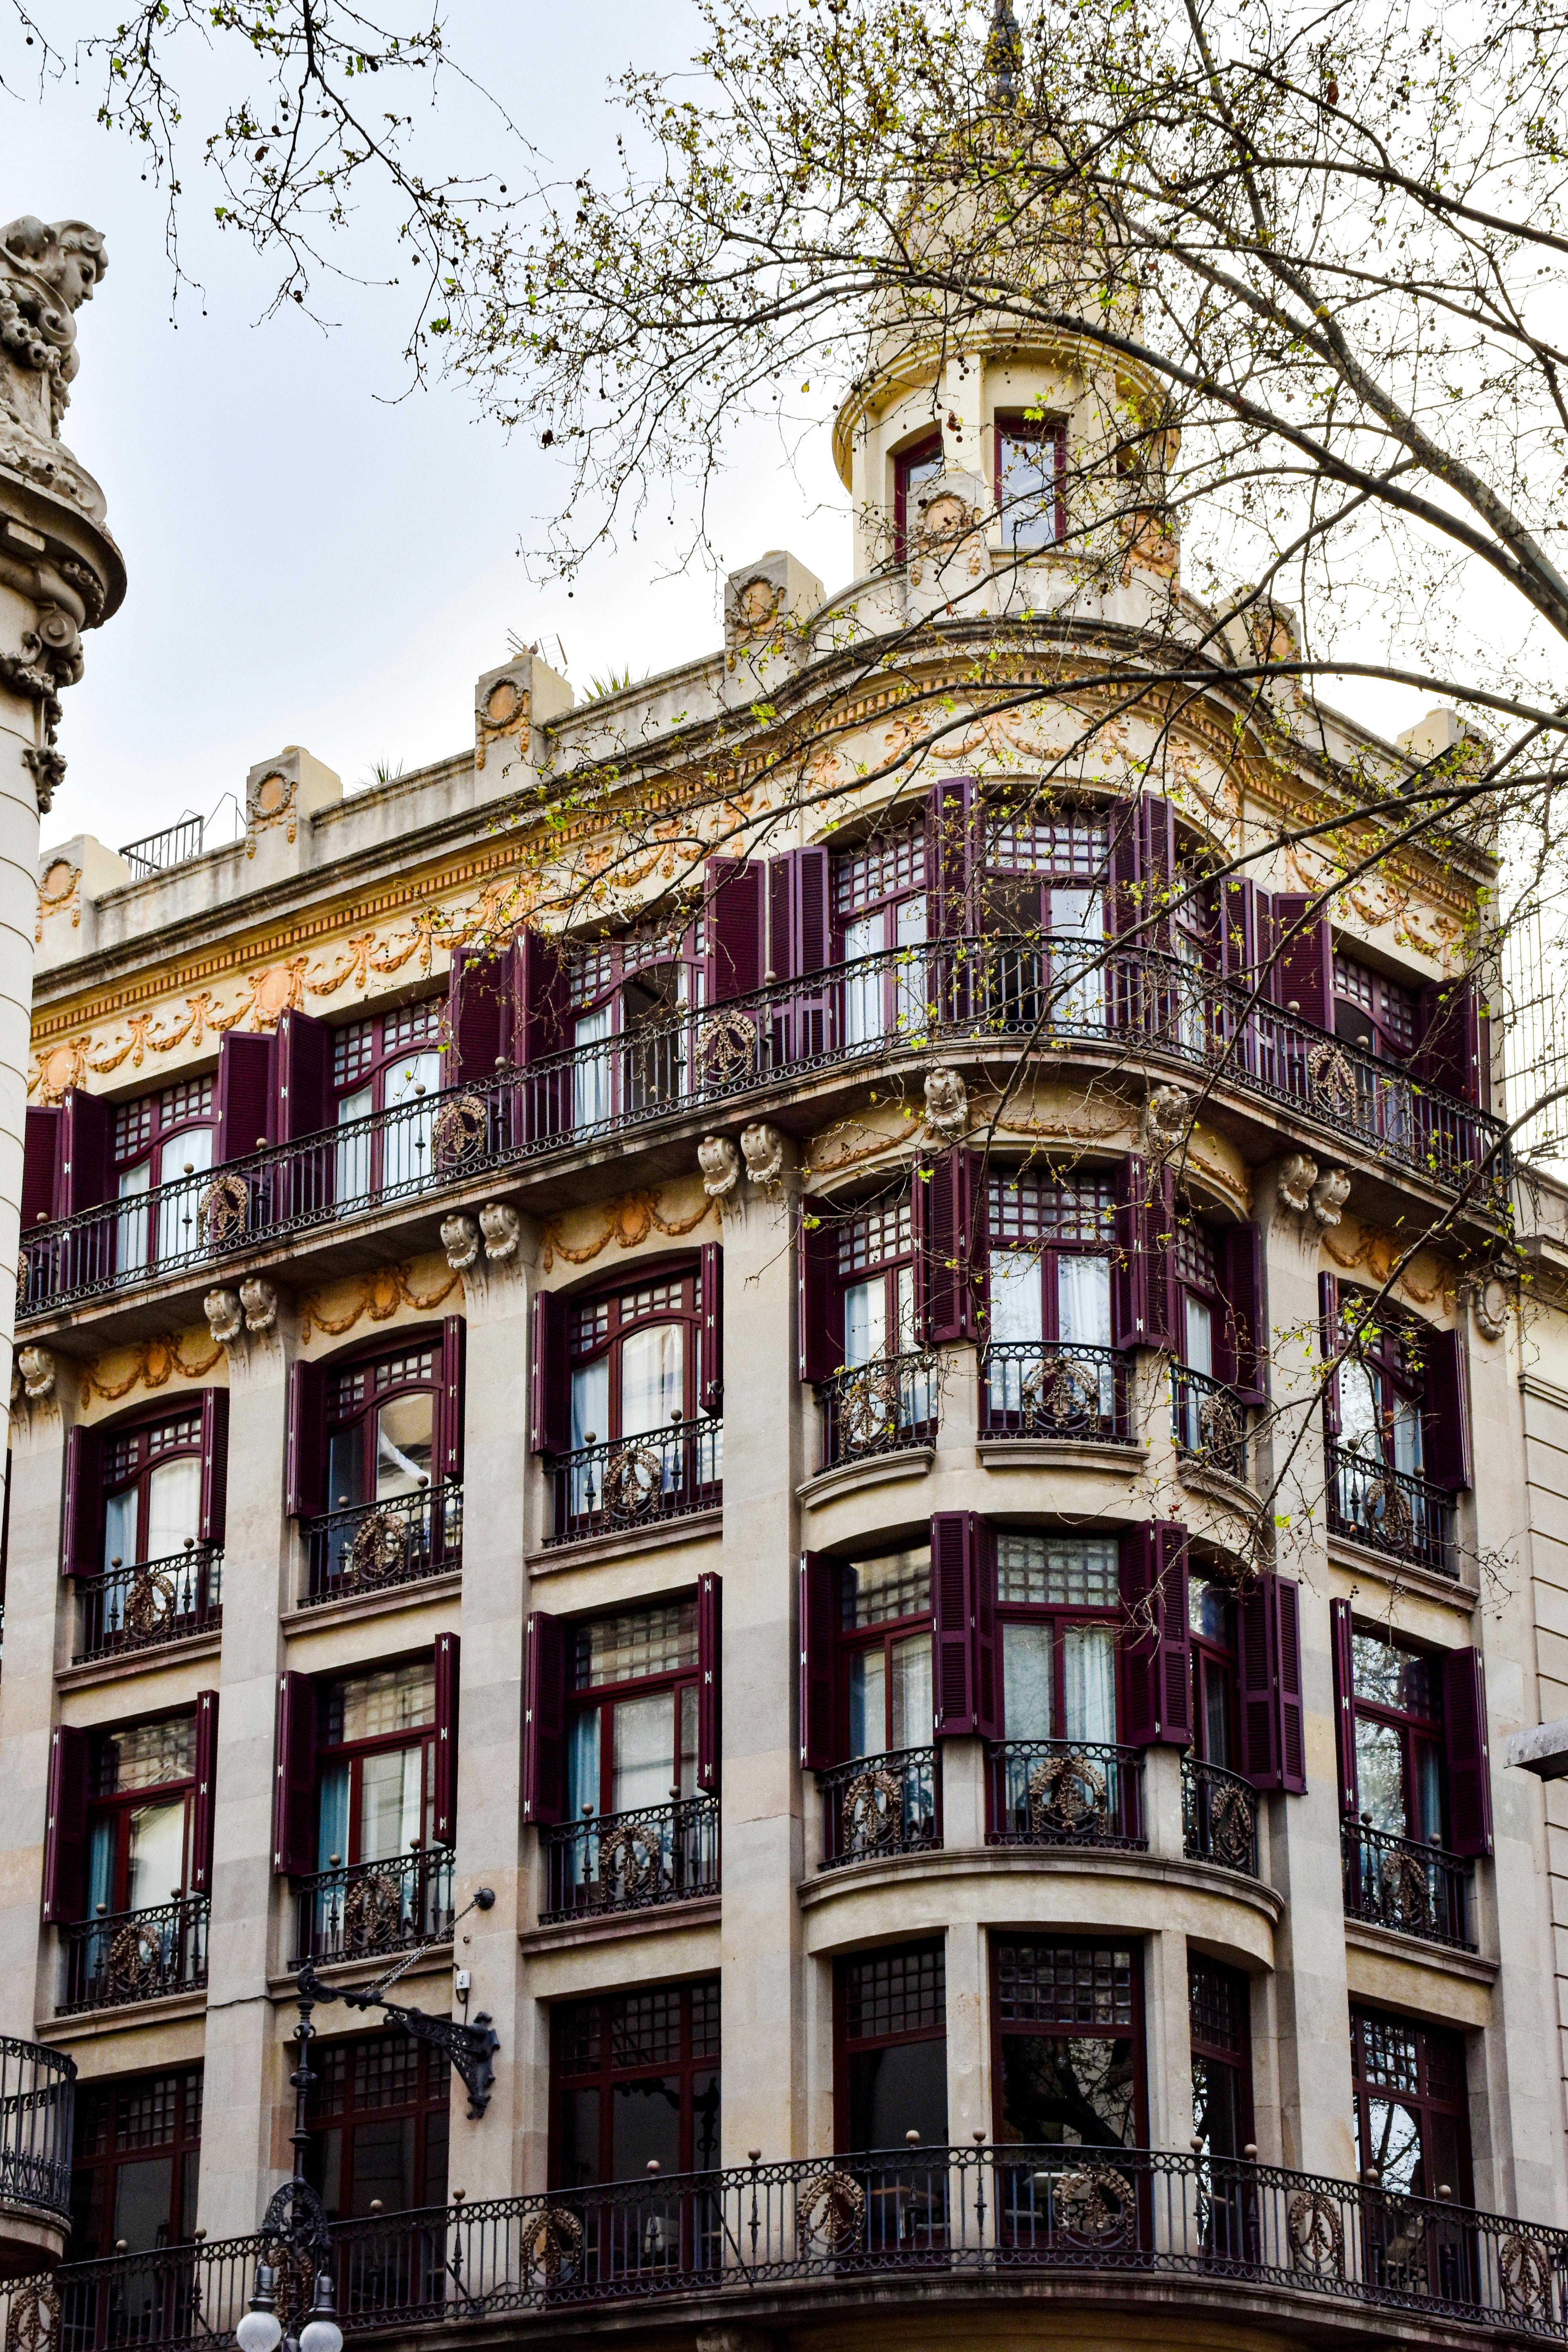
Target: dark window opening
891, 2009
135, 2164
1211, 1619
1412, 2111
1398, 1709
1219, 2001
378, 2119
636, 2079
1374, 1011
1068, 2023
381, 1420
913, 468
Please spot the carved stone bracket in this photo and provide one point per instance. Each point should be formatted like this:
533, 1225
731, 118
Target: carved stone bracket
762, 1149
460, 1240
225, 1317
502, 1229
1328, 1195
721, 1164
47, 769
1488, 1295
947, 1104
39, 1374
259, 1300
1297, 1174
1167, 1120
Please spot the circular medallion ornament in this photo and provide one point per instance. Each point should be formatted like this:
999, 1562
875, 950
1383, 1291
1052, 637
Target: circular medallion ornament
1219, 1425
726, 1049
1316, 2234
33, 2323
1068, 1797
149, 1605
829, 2214
1331, 1078
458, 1129
632, 1482
631, 1862
873, 1810
1063, 1393
1388, 1508
371, 1913
1095, 2206
133, 1962
551, 2245
1405, 1889
1524, 2267
867, 1409
224, 1211
1232, 1825
379, 1550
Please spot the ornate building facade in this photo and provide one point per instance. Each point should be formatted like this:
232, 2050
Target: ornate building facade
824, 1498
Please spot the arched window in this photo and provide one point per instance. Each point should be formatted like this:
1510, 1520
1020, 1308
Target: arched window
635, 1359
154, 1140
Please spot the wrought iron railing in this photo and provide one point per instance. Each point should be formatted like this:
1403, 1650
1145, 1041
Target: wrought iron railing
155, 852
979, 2216
128, 1956
367, 1547
879, 1408
1390, 1510
1053, 1388
1064, 1793
880, 1805
153, 1600
37, 2089
955, 994
1208, 1421
369, 1908
1219, 1816
1395, 1882
631, 1862
635, 1482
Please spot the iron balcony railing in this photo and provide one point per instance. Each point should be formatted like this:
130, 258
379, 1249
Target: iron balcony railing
980, 2217
156, 852
879, 1805
635, 1482
370, 1909
1054, 1388
153, 1600
633, 1860
1391, 1510
1395, 1882
1065, 1793
37, 2089
1208, 1421
955, 995
878, 1408
128, 1956
1219, 1816
366, 1547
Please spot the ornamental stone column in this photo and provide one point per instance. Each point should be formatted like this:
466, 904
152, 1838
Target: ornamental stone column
60, 573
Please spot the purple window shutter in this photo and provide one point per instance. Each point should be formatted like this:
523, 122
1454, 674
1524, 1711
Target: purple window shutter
710, 1654
1244, 1338
950, 861
1449, 1054
552, 1428
1256, 1629
246, 1094
941, 1218
65, 1826
40, 1168
294, 1795
1292, 1736
1140, 1638
1142, 1313
214, 1464
988, 1636
306, 1477
953, 1543
1447, 1412
1239, 947
710, 1388
736, 919
797, 913
1175, 1663
545, 1721
205, 1798
1123, 908
86, 1132
818, 1663
478, 1024
304, 1076
1304, 959
1157, 858
1330, 1341
1343, 1642
541, 986
454, 1393
82, 1520
1164, 1319
819, 1316
449, 1688
1468, 1757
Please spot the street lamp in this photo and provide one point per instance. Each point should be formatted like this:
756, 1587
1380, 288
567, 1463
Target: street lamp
295, 2223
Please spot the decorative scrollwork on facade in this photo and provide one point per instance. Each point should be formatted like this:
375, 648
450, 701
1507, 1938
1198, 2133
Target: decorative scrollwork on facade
551, 2245
726, 1049
829, 2214
1066, 1795
873, 1810
632, 1482
1331, 1078
1524, 2266
379, 1549
458, 1129
631, 1862
225, 1212
1316, 2234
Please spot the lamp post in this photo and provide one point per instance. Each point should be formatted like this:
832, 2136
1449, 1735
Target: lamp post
295, 2222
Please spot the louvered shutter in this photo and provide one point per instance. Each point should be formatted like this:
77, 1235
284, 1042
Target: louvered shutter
1140, 1638
818, 1663
541, 987
1142, 1273
204, 1799
306, 1478
1451, 1055
1343, 1642
1157, 859
735, 922
1447, 1411
1293, 1733
81, 1517
294, 1795
819, 1316
545, 1721
214, 1464
709, 1688
246, 1094
1304, 957
305, 1105
447, 1695
40, 1168
950, 857
479, 1015
1239, 952
1256, 1634
710, 1369
988, 1636
941, 1205
1243, 1351
1124, 909
1469, 1755
551, 1374
797, 913
85, 1133
1329, 1340
1174, 1664
65, 1826
453, 1394
954, 1537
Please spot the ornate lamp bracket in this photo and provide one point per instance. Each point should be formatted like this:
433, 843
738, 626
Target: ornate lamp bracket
471, 2047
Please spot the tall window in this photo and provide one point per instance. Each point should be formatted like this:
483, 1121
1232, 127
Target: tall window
1069, 2042
885, 1620
377, 1765
156, 1139
378, 2119
1059, 1603
1050, 1256
880, 905
1202, 1304
635, 2080
1031, 478
892, 2048
381, 1427
1379, 1390
635, 1359
1042, 901
1219, 2001
876, 1280
914, 468
1373, 1010
152, 1490
377, 1065
135, 2163
1398, 1703
632, 1741
142, 1780
626, 992
1412, 2120
1211, 1619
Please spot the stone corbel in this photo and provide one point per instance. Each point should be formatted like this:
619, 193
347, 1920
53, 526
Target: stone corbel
259, 1300
36, 1376
762, 1149
1297, 1175
1488, 1298
1328, 1195
460, 1240
947, 1105
721, 1164
502, 1229
1167, 1122
225, 1317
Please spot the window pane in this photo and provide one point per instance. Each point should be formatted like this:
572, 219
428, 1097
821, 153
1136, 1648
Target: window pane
373, 1706
645, 2122
1028, 488
865, 1320
404, 1444
591, 1069
583, 1763
1089, 1676
644, 1737
173, 1505
142, 2192
1380, 1775
382, 2165
590, 1403
1217, 2114
1393, 2133
864, 989
1407, 1437
892, 2092
689, 1740
1026, 1681
579, 2138
1071, 2090
867, 1703
1083, 1299
100, 1856
120, 1527
878, 1591
658, 1641
157, 1854
1016, 1311
912, 1711
1074, 1572
1199, 1335
652, 1387
345, 1466
332, 1841
1358, 1409
389, 1803
1207, 1601
352, 1156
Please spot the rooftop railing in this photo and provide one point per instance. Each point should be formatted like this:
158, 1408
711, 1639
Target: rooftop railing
155, 852
980, 2217
959, 995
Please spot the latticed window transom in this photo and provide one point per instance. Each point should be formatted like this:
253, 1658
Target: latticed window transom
880, 1591
1218, 2020
1036, 1207
881, 869
637, 1643
887, 1994
1072, 844
1057, 1572
878, 1236
1064, 1984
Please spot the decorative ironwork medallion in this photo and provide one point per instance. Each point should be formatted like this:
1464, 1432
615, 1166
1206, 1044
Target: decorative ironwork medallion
867, 1407
1388, 1507
148, 1604
223, 1213
551, 2245
1331, 1078
372, 1913
1219, 1425
1065, 1393
458, 1129
33, 2324
632, 1482
1406, 1888
1095, 2205
379, 1550
726, 1049
1316, 2234
631, 1862
873, 1810
1524, 2267
829, 2214
1068, 1797
1233, 1824
134, 1960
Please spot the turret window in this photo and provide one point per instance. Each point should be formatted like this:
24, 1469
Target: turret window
912, 470
1058, 1600
1031, 469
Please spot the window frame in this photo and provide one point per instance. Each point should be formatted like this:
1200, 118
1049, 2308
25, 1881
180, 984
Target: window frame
1056, 1615
372, 1073
1222, 1657
164, 1127
1427, 2101
117, 1806
1384, 1356
906, 462
139, 1432
847, 2047
604, 2077
94, 2176
1375, 1028
656, 1275
1015, 425
432, 2100
1237, 2062
1049, 1247
1003, 2029
354, 1753
1416, 1734
853, 1640
897, 1203
365, 1361
673, 1682
1205, 1289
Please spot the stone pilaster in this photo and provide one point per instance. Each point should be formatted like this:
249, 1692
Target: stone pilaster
38, 1638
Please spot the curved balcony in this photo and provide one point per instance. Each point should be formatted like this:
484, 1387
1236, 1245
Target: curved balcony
1065, 1793
963, 996
151, 1602
38, 2089
883, 1407
1208, 1421
880, 1805
1055, 1388
1219, 1817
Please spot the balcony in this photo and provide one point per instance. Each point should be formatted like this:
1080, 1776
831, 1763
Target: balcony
631, 1862
1043, 1388
374, 1546
1219, 1817
880, 1805
371, 1909
883, 1407
36, 2093
1208, 1421
964, 2218
131, 1955
1393, 1882
1390, 1510
151, 1602
1065, 1793
962, 996
637, 1481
